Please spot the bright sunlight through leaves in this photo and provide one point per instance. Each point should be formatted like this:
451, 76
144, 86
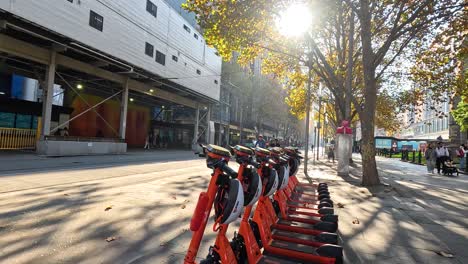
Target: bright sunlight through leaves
295, 20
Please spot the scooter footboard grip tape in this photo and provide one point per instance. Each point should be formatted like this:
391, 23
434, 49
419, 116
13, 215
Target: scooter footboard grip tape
199, 213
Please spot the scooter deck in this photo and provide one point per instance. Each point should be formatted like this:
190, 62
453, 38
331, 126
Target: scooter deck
312, 206
272, 259
295, 224
293, 246
310, 240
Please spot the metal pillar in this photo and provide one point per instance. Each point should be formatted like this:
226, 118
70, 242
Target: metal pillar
123, 111
208, 128
47, 95
195, 129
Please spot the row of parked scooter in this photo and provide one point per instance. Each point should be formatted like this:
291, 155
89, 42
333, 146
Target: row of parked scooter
282, 219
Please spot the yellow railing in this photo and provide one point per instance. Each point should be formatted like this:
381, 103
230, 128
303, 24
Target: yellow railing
15, 138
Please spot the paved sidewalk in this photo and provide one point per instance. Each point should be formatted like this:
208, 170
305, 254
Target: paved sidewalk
413, 218
53, 210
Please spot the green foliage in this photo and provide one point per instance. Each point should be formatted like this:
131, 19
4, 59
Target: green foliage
460, 114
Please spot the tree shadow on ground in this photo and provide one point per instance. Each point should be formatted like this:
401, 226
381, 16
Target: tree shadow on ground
402, 221
145, 219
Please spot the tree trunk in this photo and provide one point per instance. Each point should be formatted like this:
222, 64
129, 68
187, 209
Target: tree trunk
370, 175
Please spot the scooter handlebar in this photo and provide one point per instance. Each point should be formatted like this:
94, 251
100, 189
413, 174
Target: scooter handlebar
254, 163
226, 169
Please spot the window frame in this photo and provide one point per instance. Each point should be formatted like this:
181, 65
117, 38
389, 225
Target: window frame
187, 29
160, 58
92, 18
149, 45
149, 8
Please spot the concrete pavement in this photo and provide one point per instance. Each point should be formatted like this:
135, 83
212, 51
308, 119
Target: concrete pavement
412, 219
53, 210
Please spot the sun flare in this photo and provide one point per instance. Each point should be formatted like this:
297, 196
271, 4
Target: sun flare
295, 20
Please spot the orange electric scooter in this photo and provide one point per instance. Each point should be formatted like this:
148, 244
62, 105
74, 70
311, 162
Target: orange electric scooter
314, 198
316, 195
226, 194
291, 226
244, 243
323, 221
288, 240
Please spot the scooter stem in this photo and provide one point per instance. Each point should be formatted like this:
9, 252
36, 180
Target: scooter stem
198, 234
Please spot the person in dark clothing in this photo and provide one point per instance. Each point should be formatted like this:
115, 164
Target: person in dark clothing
260, 142
276, 142
158, 141
442, 155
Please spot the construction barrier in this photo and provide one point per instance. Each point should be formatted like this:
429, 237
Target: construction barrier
16, 138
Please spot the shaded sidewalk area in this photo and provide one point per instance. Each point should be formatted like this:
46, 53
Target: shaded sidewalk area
412, 217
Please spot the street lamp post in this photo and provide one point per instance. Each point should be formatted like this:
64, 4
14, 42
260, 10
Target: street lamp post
318, 125
309, 83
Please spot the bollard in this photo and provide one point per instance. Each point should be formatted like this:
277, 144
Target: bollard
419, 157
414, 155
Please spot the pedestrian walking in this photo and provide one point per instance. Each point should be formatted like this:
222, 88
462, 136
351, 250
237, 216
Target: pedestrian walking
64, 132
442, 155
158, 141
430, 156
260, 142
331, 154
147, 141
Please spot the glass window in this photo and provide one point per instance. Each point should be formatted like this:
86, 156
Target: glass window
95, 20
34, 122
175, 58
198, 72
7, 119
160, 58
195, 35
187, 28
149, 49
151, 8
23, 121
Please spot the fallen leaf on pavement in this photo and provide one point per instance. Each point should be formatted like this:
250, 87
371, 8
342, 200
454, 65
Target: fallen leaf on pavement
340, 205
66, 194
182, 206
363, 192
186, 201
445, 254
110, 239
174, 197
108, 208
356, 221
